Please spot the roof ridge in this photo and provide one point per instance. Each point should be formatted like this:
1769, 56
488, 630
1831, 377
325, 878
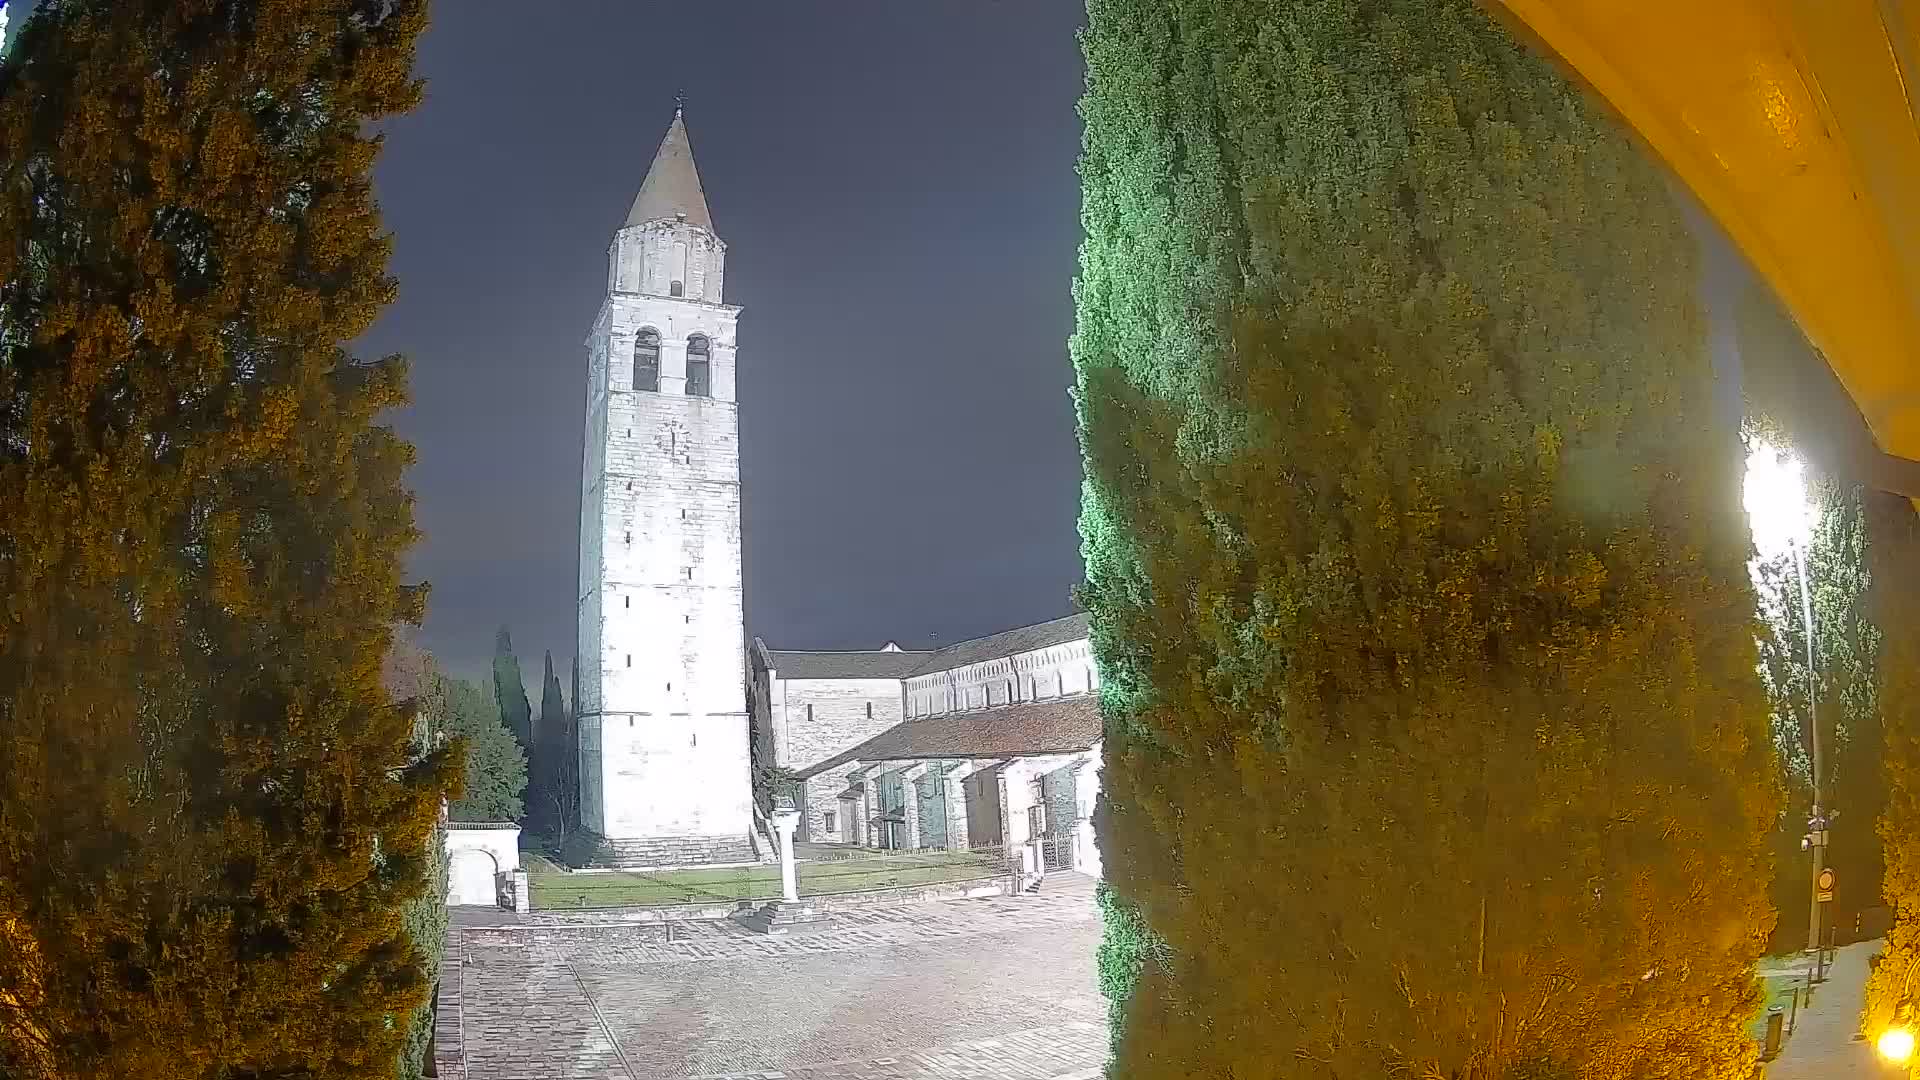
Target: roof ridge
845, 652
1010, 630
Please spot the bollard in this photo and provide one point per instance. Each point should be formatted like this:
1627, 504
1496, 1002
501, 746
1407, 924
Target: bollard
1776, 1021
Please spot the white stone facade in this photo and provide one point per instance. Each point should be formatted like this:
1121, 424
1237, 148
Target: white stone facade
818, 712
818, 718
1061, 670
662, 713
480, 860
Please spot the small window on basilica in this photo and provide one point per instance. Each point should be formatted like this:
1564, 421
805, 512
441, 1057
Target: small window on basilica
646, 360
676, 289
831, 822
699, 367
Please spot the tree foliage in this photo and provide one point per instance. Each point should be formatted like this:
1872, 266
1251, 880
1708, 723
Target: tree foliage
510, 692
1894, 531
211, 820
413, 676
554, 789
1435, 743
1845, 699
1794, 402
495, 777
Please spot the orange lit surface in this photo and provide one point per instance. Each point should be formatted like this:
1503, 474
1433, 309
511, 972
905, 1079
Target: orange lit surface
1797, 125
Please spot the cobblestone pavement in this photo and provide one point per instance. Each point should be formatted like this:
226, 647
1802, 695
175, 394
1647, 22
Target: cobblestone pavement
992, 989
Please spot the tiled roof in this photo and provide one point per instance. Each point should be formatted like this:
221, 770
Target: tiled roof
1006, 643
896, 664
1028, 729
875, 664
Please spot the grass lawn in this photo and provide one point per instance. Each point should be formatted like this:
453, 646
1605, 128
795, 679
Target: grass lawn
1778, 977
553, 887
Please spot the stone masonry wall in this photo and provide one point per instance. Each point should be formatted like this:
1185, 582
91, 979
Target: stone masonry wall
661, 605
814, 719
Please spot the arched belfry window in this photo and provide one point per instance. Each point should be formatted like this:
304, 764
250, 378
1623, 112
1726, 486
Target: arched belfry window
646, 360
699, 367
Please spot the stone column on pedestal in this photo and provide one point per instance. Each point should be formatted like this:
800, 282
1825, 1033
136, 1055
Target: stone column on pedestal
785, 820
863, 827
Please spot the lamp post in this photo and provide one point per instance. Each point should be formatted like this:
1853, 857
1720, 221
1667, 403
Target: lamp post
1776, 502
1817, 819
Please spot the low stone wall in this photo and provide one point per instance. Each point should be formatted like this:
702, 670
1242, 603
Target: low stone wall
669, 852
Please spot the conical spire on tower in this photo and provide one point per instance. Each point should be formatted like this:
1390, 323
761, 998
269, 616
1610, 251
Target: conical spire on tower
672, 187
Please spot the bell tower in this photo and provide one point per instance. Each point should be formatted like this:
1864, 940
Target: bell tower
664, 771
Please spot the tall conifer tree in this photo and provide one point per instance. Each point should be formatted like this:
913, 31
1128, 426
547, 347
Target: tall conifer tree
210, 819
554, 789
510, 692
1435, 745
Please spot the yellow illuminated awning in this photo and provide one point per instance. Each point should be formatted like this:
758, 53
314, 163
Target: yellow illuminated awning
1797, 125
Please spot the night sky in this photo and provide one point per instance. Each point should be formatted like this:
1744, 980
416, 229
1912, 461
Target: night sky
895, 183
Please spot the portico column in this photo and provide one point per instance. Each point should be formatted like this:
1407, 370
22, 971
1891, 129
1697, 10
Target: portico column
910, 789
863, 828
955, 782
1016, 796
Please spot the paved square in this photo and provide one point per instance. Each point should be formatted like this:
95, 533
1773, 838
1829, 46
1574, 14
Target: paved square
992, 989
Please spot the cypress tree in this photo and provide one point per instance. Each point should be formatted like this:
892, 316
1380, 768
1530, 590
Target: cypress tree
211, 820
510, 692
1435, 744
556, 763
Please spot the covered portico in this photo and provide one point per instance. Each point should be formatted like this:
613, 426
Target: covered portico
1021, 777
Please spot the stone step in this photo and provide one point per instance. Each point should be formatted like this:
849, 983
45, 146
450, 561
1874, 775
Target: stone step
777, 917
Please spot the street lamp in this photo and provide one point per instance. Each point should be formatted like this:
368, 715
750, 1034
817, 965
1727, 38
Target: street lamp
1896, 1044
